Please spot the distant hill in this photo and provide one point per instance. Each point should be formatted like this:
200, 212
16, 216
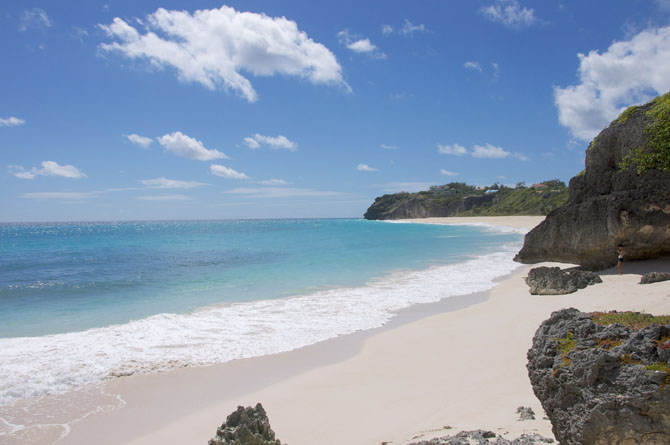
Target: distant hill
460, 199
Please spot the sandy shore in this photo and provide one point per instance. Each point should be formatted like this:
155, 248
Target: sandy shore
458, 363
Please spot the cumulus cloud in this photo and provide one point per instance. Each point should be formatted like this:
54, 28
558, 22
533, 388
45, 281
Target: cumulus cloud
188, 147
447, 172
473, 66
630, 72
226, 172
274, 182
486, 151
366, 168
408, 28
388, 147
277, 142
213, 46
49, 168
136, 139
510, 13
34, 18
455, 149
163, 183
11, 121
359, 45
387, 29
278, 192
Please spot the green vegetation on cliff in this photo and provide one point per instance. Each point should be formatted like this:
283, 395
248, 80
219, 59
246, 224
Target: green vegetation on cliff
657, 157
460, 199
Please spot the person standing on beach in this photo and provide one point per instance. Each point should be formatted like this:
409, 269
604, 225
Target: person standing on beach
619, 263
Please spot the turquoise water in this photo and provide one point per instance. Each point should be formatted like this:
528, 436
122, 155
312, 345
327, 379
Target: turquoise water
84, 302
69, 277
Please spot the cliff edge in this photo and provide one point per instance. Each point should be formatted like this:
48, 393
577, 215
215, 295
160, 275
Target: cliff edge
622, 197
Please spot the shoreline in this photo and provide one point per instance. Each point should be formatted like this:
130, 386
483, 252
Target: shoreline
424, 369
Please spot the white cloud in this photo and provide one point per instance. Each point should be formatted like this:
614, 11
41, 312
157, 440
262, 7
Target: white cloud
163, 183
277, 142
473, 66
188, 147
278, 192
630, 72
387, 29
225, 172
49, 168
361, 46
164, 198
11, 121
486, 151
489, 151
510, 13
213, 46
136, 139
366, 168
408, 28
455, 149
60, 195
447, 172
35, 18
388, 147
274, 182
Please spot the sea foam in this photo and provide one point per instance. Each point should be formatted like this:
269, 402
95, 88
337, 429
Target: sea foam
35, 366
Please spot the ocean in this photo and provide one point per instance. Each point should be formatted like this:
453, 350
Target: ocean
82, 303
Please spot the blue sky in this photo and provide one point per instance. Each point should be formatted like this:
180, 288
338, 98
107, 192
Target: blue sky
127, 110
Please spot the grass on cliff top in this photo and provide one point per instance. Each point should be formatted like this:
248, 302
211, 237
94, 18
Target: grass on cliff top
632, 320
658, 138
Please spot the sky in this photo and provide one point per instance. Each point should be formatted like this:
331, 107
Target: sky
153, 110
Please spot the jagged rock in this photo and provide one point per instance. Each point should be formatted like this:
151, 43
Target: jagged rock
654, 277
483, 437
246, 426
525, 413
602, 384
608, 206
557, 281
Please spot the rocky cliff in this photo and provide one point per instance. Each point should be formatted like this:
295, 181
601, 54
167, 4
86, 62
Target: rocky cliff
622, 197
603, 378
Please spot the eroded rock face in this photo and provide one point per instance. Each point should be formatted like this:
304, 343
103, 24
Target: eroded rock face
557, 281
607, 207
246, 426
602, 384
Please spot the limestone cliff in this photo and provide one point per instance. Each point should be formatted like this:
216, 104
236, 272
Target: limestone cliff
621, 197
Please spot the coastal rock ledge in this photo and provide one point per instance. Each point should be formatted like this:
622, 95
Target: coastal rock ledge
603, 378
620, 198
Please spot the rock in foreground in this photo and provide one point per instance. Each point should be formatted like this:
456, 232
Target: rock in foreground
557, 281
483, 437
603, 383
610, 203
654, 277
246, 426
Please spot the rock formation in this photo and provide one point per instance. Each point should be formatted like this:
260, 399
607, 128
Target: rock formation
557, 281
609, 205
602, 383
483, 437
246, 426
654, 277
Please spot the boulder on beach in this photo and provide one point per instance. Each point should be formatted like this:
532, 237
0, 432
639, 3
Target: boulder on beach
484, 437
246, 426
654, 277
621, 197
603, 377
557, 281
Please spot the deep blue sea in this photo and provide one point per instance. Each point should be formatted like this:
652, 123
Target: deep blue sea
83, 302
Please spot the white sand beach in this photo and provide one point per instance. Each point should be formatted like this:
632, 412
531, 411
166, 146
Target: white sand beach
439, 366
